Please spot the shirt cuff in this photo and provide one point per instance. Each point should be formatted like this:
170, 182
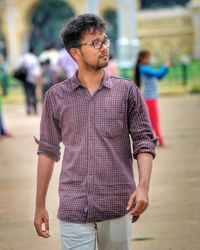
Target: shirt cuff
146, 147
48, 149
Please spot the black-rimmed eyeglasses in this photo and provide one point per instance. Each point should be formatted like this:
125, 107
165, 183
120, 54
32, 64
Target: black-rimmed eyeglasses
97, 44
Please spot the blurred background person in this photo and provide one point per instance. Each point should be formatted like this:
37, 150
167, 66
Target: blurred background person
112, 68
50, 53
66, 63
148, 76
48, 76
30, 61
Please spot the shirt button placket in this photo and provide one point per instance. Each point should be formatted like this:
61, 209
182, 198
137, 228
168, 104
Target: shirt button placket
91, 158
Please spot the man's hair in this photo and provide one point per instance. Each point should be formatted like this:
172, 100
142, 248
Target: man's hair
75, 29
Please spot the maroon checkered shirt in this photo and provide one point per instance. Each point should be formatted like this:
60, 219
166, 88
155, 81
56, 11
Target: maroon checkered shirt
96, 179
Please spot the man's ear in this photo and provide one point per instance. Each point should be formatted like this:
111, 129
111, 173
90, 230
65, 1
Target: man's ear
75, 53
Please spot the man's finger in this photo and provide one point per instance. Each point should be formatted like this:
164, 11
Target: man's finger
38, 227
131, 201
139, 208
40, 231
136, 209
46, 224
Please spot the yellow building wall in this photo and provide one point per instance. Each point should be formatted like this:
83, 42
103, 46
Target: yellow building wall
166, 32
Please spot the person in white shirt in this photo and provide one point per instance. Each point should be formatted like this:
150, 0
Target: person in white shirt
30, 61
67, 63
49, 53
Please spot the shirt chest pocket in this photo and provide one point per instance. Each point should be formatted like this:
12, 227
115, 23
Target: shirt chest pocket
111, 122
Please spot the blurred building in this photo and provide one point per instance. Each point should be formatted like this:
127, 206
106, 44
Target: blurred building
167, 28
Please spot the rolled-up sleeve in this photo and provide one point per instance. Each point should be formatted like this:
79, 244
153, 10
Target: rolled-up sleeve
139, 124
50, 133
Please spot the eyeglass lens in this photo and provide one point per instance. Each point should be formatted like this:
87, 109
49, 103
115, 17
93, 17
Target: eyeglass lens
98, 44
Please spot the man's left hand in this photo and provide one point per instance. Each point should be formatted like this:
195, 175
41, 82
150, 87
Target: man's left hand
138, 201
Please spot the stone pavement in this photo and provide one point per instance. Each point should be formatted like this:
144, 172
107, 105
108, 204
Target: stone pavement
172, 220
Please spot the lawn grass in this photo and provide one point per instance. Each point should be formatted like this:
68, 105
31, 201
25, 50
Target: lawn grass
15, 96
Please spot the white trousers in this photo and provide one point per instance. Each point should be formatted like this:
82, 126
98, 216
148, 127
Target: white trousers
107, 235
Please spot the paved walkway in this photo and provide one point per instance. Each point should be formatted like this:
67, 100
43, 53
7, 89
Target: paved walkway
172, 220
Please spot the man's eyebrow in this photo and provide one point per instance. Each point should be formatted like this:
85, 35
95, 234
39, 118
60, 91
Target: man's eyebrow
98, 39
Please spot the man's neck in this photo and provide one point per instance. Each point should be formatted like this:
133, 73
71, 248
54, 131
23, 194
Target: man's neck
90, 80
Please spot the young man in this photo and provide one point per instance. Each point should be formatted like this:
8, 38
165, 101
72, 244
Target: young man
93, 114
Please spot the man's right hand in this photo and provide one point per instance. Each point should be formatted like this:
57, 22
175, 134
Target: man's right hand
41, 222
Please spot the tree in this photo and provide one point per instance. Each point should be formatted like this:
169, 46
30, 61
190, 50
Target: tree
47, 21
155, 4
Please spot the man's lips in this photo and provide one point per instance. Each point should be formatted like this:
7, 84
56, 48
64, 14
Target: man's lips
104, 56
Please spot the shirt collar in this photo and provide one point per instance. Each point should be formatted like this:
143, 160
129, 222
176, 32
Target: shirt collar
75, 83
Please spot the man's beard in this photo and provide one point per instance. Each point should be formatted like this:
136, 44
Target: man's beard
96, 67
92, 67
102, 65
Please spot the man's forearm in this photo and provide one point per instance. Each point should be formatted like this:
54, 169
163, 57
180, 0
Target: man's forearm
144, 162
44, 173
139, 201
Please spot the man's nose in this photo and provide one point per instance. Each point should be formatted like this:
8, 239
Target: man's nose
104, 47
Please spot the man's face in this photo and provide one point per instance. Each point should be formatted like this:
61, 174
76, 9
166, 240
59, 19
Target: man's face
94, 51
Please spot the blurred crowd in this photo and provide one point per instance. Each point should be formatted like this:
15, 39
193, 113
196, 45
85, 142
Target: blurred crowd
43, 71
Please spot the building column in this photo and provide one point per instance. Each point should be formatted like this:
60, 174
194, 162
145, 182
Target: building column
128, 42
10, 16
93, 6
195, 10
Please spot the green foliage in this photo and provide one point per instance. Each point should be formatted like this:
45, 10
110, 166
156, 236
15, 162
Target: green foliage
126, 72
192, 69
155, 4
3, 79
